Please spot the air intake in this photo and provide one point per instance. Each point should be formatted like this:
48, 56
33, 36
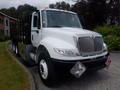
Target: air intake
90, 45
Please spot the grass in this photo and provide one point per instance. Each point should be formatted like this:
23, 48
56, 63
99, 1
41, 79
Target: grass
12, 76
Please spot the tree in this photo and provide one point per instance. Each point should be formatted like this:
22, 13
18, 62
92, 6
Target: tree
91, 12
98, 10
10, 11
52, 6
60, 5
114, 12
24, 10
82, 9
20, 12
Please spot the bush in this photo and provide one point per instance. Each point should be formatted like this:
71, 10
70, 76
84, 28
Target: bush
111, 36
3, 38
104, 30
113, 43
116, 30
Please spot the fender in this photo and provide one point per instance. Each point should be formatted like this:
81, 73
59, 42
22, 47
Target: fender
41, 51
51, 43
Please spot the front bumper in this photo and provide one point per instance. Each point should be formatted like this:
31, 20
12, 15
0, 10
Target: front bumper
90, 64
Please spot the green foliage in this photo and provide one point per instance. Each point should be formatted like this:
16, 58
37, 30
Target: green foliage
111, 36
61, 5
24, 10
3, 37
20, 12
104, 30
10, 11
113, 43
116, 30
91, 12
12, 76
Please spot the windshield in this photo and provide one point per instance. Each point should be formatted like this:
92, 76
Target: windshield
61, 19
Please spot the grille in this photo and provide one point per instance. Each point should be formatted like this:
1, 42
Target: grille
90, 46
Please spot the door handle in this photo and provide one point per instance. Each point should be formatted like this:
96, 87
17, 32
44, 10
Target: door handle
36, 31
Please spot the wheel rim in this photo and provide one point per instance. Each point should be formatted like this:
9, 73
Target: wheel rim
16, 50
13, 47
43, 69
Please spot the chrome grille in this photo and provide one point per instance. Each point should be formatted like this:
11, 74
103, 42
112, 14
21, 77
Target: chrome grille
90, 45
98, 44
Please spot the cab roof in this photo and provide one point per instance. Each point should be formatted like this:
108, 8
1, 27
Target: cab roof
57, 10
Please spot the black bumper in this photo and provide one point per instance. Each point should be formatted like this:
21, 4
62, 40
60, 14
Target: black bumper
90, 64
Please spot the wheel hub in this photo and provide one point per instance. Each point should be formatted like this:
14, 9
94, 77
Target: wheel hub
43, 69
16, 50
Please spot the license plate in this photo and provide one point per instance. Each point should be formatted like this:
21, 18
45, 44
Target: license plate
78, 69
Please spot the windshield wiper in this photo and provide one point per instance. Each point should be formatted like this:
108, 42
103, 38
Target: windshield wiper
56, 26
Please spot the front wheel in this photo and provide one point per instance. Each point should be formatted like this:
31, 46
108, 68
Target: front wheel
46, 71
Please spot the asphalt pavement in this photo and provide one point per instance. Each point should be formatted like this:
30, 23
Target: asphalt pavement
101, 80
105, 79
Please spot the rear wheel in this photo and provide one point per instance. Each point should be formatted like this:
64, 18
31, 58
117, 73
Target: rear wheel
46, 71
15, 49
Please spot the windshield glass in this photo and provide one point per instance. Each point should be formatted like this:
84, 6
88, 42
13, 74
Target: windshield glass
61, 19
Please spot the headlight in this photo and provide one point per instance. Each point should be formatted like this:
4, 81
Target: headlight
105, 47
66, 52
75, 40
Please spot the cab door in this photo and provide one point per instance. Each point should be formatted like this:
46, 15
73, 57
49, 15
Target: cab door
36, 29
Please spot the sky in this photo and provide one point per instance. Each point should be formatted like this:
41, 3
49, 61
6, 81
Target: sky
36, 3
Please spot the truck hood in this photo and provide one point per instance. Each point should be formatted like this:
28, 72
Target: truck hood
73, 31
64, 37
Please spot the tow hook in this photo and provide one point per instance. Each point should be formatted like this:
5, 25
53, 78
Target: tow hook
108, 62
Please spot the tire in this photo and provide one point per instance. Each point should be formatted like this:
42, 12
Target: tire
15, 49
46, 71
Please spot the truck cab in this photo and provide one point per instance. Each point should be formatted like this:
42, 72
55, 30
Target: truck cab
56, 42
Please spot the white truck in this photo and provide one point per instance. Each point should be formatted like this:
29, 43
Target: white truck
57, 43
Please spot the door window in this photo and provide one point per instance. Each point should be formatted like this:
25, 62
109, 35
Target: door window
35, 21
